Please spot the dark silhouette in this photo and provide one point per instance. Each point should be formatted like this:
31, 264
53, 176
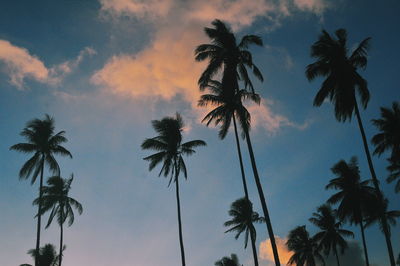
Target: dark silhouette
44, 144
331, 234
226, 261
375, 210
388, 138
304, 247
170, 149
55, 198
243, 218
46, 256
340, 86
224, 54
353, 196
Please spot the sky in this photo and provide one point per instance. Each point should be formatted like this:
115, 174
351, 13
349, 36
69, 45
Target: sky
105, 68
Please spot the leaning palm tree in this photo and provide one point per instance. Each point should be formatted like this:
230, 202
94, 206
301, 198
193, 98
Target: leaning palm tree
353, 196
55, 198
388, 138
226, 261
243, 219
44, 144
331, 235
233, 59
340, 87
170, 149
228, 108
304, 247
47, 256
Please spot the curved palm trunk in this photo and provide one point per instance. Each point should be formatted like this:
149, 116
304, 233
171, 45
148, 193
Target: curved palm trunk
179, 222
336, 254
262, 199
364, 243
61, 244
254, 248
376, 185
39, 214
240, 159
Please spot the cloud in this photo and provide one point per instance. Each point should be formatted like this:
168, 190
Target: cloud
266, 254
140, 8
315, 6
19, 65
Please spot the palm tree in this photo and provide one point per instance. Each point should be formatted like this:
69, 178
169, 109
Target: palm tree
44, 144
233, 59
340, 86
331, 234
228, 107
375, 210
55, 198
46, 256
388, 138
170, 149
353, 196
226, 261
304, 247
243, 219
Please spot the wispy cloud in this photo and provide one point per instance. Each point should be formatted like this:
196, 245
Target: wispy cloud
20, 64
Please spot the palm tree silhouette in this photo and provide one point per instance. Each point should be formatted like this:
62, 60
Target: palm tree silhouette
44, 144
243, 219
375, 210
233, 59
226, 261
353, 196
340, 86
46, 256
304, 247
331, 234
388, 138
170, 149
55, 198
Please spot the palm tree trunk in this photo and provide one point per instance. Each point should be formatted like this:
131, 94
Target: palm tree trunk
179, 221
254, 248
240, 159
364, 243
376, 185
61, 245
336, 254
39, 214
262, 199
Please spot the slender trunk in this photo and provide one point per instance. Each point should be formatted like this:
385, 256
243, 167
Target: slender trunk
61, 243
39, 216
364, 243
179, 221
254, 248
375, 181
240, 159
262, 199
336, 254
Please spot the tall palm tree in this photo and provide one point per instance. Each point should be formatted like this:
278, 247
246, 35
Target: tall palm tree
47, 256
228, 108
44, 144
233, 59
340, 87
304, 247
55, 198
169, 147
353, 196
331, 234
375, 210
226, 261
243, 219
388, 138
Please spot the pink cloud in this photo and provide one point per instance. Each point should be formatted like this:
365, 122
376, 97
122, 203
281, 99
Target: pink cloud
266, 254
139, 8
316, 6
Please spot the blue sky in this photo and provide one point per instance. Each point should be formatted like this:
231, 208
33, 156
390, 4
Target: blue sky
104, 69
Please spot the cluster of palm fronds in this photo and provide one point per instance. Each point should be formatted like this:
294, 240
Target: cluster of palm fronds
53, 198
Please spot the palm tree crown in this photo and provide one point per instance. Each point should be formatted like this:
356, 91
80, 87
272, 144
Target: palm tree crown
305, 248
224, 53
47, 256
340, 70
226, 261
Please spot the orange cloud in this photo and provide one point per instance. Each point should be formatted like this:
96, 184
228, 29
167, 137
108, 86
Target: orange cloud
266, 250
